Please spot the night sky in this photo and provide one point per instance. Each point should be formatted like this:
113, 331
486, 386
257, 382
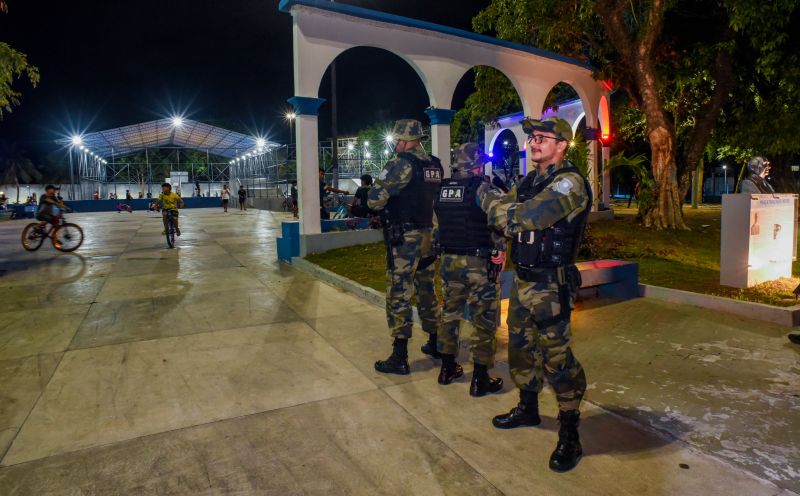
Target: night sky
111, 63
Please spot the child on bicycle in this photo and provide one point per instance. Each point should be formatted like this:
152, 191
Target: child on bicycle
169, 201
49, 206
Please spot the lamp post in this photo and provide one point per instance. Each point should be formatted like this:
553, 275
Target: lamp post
725, 171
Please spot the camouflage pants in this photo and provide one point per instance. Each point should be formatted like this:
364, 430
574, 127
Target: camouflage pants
465, 285
536, 351
408, 279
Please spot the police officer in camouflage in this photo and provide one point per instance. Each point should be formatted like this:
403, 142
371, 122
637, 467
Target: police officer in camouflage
405, 192
472, 257
545, 215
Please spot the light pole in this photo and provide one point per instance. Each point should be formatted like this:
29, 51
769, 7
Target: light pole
725, 171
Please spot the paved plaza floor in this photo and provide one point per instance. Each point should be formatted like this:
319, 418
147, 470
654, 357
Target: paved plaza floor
127, 368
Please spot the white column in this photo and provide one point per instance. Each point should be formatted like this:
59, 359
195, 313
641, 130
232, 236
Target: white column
440, 145
440, 135
306, 110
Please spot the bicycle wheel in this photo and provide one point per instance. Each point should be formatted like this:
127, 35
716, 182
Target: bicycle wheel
67, 237
31, 238
170, 232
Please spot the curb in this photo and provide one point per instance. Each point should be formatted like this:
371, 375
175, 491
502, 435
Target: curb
370, 295
787, 316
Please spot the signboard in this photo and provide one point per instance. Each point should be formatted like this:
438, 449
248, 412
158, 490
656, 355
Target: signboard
759, 234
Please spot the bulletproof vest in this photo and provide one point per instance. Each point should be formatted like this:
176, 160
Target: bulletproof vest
414, 204
558, 244
462, 223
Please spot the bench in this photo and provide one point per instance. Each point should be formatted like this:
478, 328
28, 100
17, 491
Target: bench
603, 278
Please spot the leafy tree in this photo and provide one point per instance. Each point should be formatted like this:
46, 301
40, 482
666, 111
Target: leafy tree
497, 97
13, 65
15, 167
676, 62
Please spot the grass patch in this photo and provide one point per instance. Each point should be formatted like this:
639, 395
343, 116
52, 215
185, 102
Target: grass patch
686, 260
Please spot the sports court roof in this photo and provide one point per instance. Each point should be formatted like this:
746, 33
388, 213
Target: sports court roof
183, 133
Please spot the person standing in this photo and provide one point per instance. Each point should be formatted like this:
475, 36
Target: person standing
758, 169
405, 192
242, 197
226, 197
472, 257
545, 216
324, 189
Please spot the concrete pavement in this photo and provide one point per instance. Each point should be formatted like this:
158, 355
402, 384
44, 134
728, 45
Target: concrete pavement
128, 368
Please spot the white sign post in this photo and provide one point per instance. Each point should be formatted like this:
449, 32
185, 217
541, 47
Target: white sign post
759, 234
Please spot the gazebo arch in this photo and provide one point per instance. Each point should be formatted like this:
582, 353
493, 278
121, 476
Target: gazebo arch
439, 54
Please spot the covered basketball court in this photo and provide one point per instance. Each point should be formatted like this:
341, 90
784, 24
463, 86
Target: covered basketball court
133, 157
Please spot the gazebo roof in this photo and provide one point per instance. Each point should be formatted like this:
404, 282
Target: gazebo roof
164, 132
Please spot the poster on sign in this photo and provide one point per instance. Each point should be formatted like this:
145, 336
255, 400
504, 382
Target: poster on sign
758, 238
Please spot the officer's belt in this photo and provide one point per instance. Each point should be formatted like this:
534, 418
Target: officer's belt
471, 252
545, 275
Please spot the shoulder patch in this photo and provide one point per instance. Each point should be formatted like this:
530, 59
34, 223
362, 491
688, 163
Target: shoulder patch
564, 186
432, 175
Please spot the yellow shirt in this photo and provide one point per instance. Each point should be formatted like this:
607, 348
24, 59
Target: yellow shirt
169, 201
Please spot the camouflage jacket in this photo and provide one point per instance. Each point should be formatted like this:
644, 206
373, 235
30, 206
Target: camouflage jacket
395, 176
564, 198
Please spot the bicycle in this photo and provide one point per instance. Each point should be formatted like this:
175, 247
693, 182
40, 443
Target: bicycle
65, 236
169, 228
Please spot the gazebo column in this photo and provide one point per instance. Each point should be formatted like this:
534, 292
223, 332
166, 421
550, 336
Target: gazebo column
440, 135
307, 112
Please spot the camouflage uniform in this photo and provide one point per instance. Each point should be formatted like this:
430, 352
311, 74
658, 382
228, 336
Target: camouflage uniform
413, 271
466, 284
534, 350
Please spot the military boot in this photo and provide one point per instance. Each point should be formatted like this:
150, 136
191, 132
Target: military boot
397, 363
450, 370
429, 348
526, 413
568, 451
482, 384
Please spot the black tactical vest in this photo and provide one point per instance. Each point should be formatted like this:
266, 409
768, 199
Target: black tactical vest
556, 245
462, 223
414, 204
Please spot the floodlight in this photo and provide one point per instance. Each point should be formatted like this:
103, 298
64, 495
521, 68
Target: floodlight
724, 167
366, 143
368, 154
260, 142
177, 121
350, 147
388, 138
505, 143
491, 154
76, 140
82, 148
290, 115
386, 153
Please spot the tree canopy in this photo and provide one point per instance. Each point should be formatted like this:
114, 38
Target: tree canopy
14, 65
685, 68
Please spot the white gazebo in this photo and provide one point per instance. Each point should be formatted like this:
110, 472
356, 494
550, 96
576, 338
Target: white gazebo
440, 55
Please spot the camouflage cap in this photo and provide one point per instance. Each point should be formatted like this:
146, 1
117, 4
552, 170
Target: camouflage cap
408, 130
555, 125
469, 155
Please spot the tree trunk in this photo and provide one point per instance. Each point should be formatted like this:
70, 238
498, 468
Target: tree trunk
665, 212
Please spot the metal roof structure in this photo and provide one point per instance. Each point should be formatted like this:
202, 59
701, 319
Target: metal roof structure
184, 133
